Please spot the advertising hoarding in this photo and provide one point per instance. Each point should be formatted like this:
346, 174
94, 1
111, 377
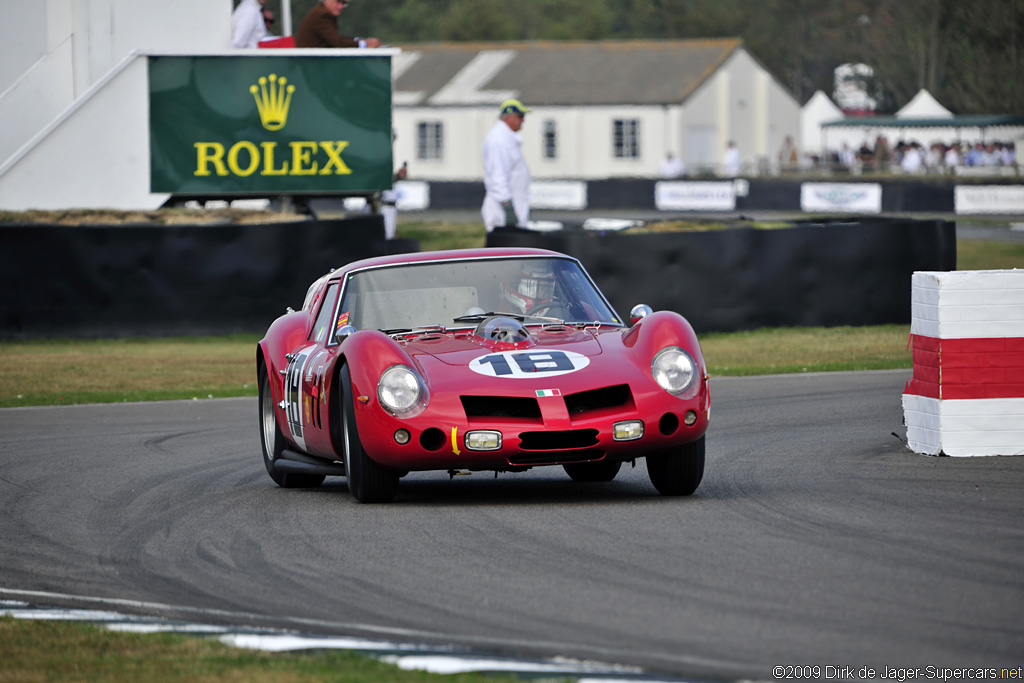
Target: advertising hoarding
990, 199
695, 196
279, 124
841, 197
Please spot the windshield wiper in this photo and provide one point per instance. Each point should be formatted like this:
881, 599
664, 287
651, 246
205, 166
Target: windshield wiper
417, 328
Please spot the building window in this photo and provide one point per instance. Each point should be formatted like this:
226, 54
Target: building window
550, 140
430, 141
627, 138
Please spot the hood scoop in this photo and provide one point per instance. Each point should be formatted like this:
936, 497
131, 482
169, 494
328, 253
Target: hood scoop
459, 348
502, 330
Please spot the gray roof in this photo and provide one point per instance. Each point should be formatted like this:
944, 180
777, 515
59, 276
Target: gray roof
573, 73
965, 121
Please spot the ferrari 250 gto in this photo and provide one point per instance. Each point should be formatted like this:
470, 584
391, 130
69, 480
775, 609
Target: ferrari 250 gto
477, 360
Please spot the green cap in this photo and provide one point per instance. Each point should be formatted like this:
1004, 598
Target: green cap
513, 107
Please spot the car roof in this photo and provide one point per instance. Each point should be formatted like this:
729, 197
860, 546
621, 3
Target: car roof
452, 254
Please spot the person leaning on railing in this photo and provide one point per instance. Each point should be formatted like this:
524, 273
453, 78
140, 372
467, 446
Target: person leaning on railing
319, 28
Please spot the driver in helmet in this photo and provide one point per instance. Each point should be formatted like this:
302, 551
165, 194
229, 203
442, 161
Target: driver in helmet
532, 289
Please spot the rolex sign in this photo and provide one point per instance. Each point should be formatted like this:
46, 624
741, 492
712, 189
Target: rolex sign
270, 125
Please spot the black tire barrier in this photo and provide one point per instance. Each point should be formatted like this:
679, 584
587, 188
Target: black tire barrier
155, 280
160, 280
813, 274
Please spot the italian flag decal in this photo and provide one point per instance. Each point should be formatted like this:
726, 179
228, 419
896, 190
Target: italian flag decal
541, 393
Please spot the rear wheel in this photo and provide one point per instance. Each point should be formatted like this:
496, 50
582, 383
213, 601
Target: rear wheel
678, 473
368, 481
604, 470
273, 442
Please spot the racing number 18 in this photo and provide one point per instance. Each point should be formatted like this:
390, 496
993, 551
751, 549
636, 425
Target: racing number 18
529, 363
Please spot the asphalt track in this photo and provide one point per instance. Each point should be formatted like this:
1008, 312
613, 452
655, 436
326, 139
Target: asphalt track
817, 538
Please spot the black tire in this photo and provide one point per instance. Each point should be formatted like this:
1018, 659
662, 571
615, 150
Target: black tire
587, 472
678, 473
368, 481
272, 442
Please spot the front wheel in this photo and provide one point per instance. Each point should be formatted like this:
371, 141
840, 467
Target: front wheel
677, 473
368, 481
273, 442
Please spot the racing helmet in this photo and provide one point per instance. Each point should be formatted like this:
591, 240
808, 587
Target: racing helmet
531, 286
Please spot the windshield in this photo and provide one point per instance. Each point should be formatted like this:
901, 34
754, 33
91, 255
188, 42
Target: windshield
460, 293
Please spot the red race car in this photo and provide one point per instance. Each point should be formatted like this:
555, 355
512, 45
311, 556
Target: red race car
476, 360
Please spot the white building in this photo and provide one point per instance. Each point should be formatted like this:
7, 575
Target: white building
74, 101
73, 96
599, 109
52, 52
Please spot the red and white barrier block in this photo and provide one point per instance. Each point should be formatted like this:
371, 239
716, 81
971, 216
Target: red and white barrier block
967, 394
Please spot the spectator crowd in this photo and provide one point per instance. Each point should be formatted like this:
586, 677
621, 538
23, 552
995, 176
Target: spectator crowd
910, 158
913, 158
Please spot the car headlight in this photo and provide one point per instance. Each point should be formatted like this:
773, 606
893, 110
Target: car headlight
401, 391
674, 370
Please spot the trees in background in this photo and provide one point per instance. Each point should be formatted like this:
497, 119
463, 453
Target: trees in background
970, 55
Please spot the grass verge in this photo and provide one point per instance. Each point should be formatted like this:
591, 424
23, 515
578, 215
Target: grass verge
979, 255
71, 371
807, 349
42, 650
437, 236
68, 371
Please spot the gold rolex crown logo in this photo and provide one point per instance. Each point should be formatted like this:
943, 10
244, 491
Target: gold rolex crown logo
273, 100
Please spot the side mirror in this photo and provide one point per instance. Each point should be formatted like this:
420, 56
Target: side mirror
343, 332
638, 313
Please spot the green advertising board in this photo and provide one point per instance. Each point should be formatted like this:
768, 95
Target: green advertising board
222, 125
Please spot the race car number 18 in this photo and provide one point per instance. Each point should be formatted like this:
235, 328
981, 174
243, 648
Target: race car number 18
528, 364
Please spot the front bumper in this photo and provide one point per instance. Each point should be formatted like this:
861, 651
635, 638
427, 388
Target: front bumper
485, 433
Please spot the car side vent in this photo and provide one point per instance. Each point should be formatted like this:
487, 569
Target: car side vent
500, 406
558, 441
596, 399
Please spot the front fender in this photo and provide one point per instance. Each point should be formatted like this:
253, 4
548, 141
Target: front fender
367, 354
661, 329
284, 335
667, 328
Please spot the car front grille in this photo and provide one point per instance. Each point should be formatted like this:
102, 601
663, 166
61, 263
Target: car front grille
618, 396
501, 406
558, 440
579, 405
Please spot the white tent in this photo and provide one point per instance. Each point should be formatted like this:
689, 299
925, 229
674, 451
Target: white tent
818, 110
923, 106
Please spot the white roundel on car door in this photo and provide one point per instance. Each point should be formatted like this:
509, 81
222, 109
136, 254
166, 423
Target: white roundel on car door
531, 364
